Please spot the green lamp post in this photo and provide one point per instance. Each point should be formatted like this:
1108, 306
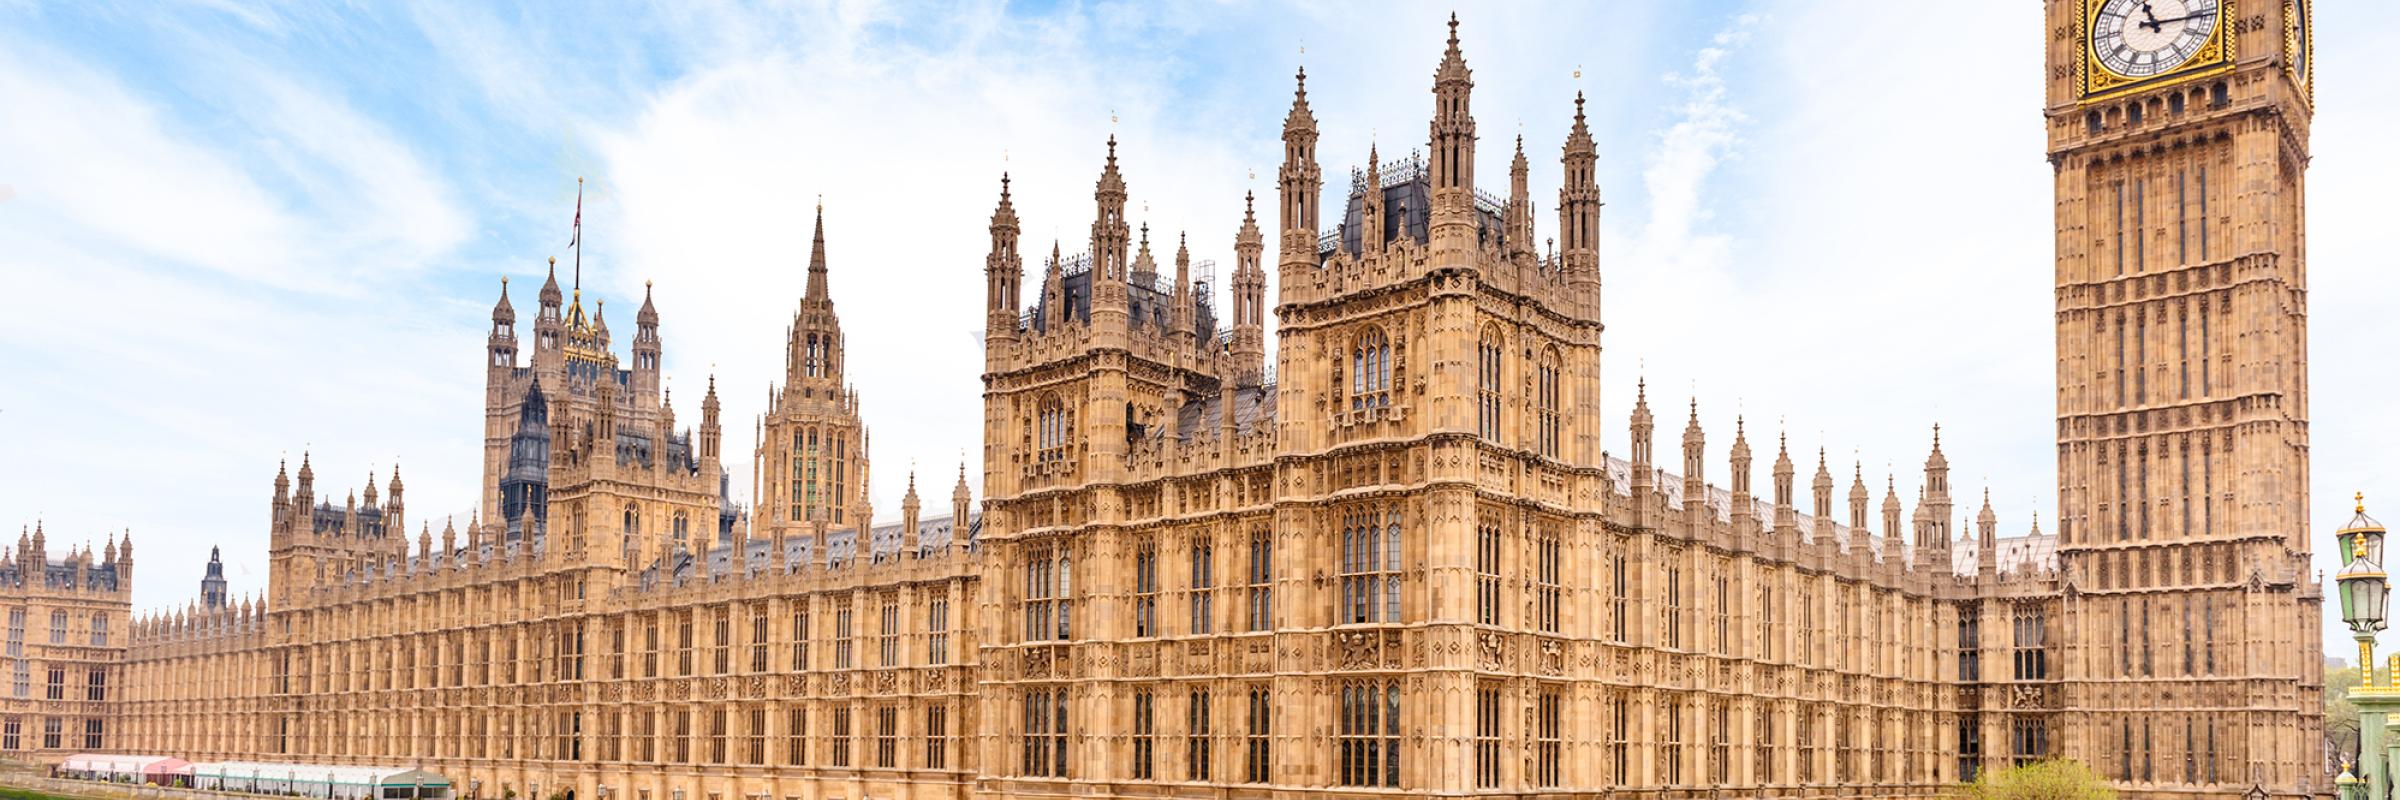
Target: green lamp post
2366, 597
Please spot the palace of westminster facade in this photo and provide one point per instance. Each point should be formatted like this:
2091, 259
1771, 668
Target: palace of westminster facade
1397, 563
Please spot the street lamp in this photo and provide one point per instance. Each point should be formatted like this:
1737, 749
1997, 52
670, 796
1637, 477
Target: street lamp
2366, 591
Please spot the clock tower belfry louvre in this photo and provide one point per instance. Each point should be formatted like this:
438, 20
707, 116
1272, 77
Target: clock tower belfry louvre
2178, 136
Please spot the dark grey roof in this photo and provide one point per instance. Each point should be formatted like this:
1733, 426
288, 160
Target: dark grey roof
1251, 406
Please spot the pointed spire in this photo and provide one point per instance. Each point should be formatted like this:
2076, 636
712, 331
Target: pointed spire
550, 296
648, 316
816, 259
502, 312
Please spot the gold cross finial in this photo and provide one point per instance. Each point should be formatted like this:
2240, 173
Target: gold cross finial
2361, 497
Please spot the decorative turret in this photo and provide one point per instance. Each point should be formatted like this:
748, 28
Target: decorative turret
1299, 183
1371, 211
1452, 134
908, 513
1110, 231
710, 434
1893, 536
1642, 464
1933, 534
1695, 483
501, 346
1003, 270
1579, 216
1786, 518
1745, 520
549, 324
648, 350
1249, 344
1520, 207
1858, 508
1987, 539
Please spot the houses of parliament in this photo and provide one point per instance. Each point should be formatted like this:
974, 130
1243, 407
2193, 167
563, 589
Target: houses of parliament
1382, 553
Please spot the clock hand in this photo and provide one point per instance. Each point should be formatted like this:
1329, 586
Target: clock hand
2151, 23
2154, 25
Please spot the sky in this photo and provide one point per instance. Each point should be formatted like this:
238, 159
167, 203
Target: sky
232, 233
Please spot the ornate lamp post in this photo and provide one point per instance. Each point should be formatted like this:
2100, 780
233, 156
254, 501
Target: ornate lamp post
2366, 597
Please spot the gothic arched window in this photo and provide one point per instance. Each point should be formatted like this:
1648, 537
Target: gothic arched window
1370, 566
1545, 403
1487, 384
1371, 371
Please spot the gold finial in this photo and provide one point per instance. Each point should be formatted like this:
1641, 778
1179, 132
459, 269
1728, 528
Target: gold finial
2358, 547
579, 180
503, 281
554, 261
2361, 497
645, 284
1579, 72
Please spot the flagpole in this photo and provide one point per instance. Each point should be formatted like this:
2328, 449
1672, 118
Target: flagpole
577, 240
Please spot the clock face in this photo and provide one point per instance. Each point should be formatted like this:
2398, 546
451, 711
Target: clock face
2300, 41
2145, 38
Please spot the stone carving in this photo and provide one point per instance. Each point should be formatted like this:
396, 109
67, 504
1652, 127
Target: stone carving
1357, 649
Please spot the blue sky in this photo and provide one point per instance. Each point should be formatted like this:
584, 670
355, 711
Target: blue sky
237, 231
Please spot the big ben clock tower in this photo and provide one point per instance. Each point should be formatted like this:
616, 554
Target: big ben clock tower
2178, 136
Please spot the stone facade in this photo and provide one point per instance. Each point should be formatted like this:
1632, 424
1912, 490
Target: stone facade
68, 624
2192, 652
1398, 562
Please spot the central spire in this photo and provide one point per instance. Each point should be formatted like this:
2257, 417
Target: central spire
816, 259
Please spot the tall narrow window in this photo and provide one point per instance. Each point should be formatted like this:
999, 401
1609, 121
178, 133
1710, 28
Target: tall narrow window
1620, 724
2032, 661
1547, 586
1371, 371
800, 633
1487, 407
1204, 584
841, 735
1145, 587
1049, 587
937, 631
1367, 749
1045, 726
1970, 644
795, 736
1670, 747
887, 632
1617, 591
1196, 739
887, 736
1545, 404
1487, 574
1547, 736
841, 633
1370, 566
1257, 757
758, 637
1145, 735
1673, 601
937, 736
1487, 736
1261, 594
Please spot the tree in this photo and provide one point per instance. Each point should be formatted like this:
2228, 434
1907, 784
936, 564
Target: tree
2341, 716
2054, 779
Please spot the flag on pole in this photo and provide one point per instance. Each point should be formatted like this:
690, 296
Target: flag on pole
575, 241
